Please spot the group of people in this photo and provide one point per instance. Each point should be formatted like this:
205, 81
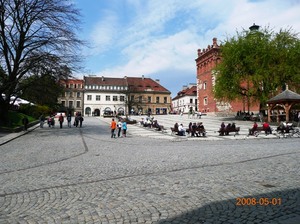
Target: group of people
51, 120
147, 121
195, 129
225, 129
121, 126
180, 129
151, 123
265, 127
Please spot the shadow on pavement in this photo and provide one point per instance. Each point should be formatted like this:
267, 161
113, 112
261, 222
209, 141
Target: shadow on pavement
285, 209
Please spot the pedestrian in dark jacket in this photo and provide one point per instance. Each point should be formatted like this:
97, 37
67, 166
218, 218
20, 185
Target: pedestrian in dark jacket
25, 123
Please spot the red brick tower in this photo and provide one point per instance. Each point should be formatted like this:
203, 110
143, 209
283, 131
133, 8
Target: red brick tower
206, 62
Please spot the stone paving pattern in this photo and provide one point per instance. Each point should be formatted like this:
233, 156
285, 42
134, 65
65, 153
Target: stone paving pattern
81, 175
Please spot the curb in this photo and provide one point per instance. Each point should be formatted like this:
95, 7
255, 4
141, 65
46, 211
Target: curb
9, 137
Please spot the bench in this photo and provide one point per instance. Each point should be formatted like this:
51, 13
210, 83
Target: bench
226, 131
256, 132
198, 132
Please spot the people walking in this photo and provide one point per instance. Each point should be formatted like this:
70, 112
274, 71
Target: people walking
52, 121
42, 120
69, 118
124, 127
61, 120
76, 121
113, 126
119, 125
80, 118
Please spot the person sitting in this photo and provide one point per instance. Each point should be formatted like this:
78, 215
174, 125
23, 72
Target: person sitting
193, 130
227, 129
254, 128
142, 122
156, 126
201, 129
282, 127
233, 126
147, 123
181, 131
175, 128
222, 128
267, 128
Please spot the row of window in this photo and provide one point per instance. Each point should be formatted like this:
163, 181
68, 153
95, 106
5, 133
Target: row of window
73, 86
72, 94
107, 98
181, 103
106, 87
122, 98
71, 104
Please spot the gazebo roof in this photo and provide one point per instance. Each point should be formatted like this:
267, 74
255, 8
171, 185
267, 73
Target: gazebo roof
285, 96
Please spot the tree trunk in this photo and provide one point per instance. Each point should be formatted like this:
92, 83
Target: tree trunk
4, 107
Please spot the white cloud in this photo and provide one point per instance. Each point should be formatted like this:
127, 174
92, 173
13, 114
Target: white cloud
103, 35
149, 46
176, 52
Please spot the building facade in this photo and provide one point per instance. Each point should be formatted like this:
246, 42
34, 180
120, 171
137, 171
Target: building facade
137, 95
186, 99
148, 96
104, 95
72, 98
206, 62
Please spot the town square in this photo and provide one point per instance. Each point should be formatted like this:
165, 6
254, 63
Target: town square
81, 175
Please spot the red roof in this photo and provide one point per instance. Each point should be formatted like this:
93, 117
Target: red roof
145, 84
71, 81
192, 91
140, 84
105, 81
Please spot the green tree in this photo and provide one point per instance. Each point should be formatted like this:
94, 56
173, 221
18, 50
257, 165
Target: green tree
42, 90
37, 37
255, 64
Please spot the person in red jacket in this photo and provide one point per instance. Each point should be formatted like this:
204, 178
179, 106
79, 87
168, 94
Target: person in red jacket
113, 126
61, 120
254, 128
267, 128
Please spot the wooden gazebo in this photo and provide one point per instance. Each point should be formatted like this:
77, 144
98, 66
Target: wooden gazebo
286, 100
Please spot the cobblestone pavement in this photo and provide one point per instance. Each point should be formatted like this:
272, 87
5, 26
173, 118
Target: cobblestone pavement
81, 175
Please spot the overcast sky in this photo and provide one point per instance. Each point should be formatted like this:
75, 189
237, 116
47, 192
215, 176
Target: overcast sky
159, 38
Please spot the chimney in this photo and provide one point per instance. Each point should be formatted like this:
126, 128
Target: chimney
102, 78
215, 44
143, 77
125, 77
157, 80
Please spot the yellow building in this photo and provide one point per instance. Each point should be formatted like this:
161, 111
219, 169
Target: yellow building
147, 96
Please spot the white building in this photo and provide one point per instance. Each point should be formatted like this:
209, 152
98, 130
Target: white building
104, 95
186, 99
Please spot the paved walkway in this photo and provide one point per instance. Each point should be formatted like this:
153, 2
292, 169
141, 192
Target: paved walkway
81, 175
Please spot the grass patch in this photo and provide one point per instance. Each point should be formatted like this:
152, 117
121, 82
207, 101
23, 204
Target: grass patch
15, 119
